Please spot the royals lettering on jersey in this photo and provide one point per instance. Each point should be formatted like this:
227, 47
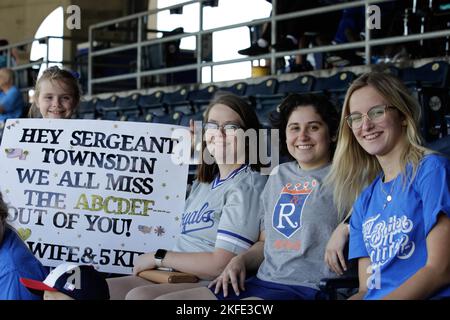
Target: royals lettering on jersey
197, 220
287, 214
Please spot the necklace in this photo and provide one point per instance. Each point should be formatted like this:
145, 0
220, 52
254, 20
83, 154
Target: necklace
388, 195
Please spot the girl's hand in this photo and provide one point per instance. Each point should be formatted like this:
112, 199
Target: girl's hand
334, 252
233, 273
144, 262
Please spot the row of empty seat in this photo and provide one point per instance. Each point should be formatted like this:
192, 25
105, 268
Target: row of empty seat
429, 83
179, 106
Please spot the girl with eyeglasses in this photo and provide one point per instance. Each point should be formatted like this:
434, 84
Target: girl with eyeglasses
299, 214
222, 212
398, 192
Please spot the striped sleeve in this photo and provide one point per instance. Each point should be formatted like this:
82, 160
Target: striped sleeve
239, 224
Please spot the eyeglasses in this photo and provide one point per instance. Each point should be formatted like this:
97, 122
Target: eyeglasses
229, 128
375, 114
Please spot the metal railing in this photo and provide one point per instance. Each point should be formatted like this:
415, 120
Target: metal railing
41, 61
367, 44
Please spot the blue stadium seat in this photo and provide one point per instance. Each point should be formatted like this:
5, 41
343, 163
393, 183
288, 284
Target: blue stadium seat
265, 88
131, 114
128, 107
198, 115
130, 101
266, 104
441, 145
170, 118
177, 97
338, 82
87, 109
258, 94
434, 108
429, 84
178, 101
237, 88
152, 104
335, 87
151, 100
110, 113
105, 106
201, 98
433, 74
300, 84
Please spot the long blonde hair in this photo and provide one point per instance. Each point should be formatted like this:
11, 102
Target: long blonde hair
353, 168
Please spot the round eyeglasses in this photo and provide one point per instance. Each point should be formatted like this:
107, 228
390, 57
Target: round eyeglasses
228, 128
375, 114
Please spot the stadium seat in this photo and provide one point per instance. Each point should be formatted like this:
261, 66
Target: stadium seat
106, 107
300, 84
441, 145
334, 86
201, 98
259, 95
151, 100
266, 104
170, 118
433, 74
151, 105
434, 108
265, 88
130, 101
128, 107
87, 109
110, 113
131, 114
178, 101
338, 82
237, 88
429, 84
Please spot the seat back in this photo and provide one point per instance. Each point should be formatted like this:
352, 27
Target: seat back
237, 88
434, 74
267, 87
300, 84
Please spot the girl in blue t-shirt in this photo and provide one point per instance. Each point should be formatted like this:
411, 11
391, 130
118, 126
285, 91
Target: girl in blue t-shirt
399, 228
16, 261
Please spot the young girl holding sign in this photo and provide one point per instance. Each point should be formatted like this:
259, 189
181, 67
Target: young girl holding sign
56, 95
222, 213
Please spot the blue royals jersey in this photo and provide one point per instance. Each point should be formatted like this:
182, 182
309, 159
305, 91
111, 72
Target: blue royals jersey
393, 234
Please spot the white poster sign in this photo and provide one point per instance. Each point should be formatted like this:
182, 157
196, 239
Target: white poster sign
94, 192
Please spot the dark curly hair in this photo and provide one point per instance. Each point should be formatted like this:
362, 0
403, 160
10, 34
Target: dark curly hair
319, 102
